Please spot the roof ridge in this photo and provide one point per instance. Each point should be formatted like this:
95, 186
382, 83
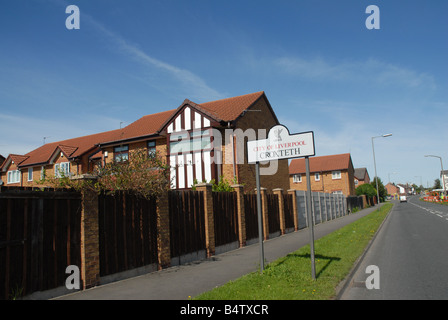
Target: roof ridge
235, 97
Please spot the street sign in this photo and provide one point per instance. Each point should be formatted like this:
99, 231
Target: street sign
281, 145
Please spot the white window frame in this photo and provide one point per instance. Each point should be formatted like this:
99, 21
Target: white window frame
13, 176
297, 178
335, 175
317, 176
30, 174
62, 166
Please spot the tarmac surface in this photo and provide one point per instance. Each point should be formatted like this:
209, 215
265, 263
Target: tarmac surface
189, 280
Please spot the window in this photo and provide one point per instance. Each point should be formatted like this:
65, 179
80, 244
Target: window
297, 178
185, 143
336, 175
151, 148
30, 174
14, 176
121, 153
337, 192
62, 169
317, 176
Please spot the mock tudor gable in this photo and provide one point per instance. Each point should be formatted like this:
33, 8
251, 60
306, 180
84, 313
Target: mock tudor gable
190, 150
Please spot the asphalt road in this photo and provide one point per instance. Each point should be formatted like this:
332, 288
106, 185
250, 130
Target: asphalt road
411, 253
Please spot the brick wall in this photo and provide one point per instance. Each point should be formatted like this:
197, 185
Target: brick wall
326, 183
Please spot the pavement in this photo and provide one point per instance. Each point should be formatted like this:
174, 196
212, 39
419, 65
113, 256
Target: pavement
189, 280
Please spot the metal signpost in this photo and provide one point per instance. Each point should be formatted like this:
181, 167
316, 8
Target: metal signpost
281, 145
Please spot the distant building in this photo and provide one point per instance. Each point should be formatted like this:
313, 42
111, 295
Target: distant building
329, 174
361, 176
444, 179
392, 190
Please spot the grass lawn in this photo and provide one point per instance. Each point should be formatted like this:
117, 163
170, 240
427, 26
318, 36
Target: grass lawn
289, 278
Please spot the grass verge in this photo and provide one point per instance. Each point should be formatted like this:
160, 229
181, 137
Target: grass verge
289, 278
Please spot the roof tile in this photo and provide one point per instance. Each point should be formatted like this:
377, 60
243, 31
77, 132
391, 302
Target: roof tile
323, 163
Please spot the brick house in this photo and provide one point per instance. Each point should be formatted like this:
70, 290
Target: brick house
200, 142
204, 141
329, 174
392, 190
361, 176
69, 157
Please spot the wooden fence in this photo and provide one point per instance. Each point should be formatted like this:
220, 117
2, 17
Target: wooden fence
39, 238
127, 232
43, 232
273, 214
225, 212
250, 208
187, 225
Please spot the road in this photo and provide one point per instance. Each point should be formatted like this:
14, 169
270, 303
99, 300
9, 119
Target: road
411, 253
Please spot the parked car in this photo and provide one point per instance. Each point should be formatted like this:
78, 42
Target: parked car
403, 198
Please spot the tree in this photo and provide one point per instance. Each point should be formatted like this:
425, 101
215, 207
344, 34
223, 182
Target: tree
437, 184
382, 189
366, 189
145, 174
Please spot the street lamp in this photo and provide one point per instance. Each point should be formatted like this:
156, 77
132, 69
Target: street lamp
441, 165
374, 163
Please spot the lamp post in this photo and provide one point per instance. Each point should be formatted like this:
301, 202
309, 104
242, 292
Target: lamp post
374, 163
441, 165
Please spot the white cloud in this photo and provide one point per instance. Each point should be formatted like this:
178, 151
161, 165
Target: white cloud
371, 70
194, 85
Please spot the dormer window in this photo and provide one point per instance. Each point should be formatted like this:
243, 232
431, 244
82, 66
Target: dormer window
13, 176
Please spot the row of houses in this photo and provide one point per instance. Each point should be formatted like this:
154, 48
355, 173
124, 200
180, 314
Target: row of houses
200, 142
395, 190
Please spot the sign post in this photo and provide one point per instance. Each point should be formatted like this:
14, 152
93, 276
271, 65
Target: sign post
260, 216
310, 217
281, 145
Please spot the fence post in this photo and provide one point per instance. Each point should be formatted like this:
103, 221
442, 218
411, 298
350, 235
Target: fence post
281, 209
241, 214
295, 211
90, 244
206, 188
163, 231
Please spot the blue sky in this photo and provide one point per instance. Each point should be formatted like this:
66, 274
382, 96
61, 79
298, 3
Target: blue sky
321, 69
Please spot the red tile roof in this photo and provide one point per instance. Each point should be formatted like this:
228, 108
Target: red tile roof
319, 164
72, 147
231, 108
221, 110
145, 126
228, 109
16, 158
